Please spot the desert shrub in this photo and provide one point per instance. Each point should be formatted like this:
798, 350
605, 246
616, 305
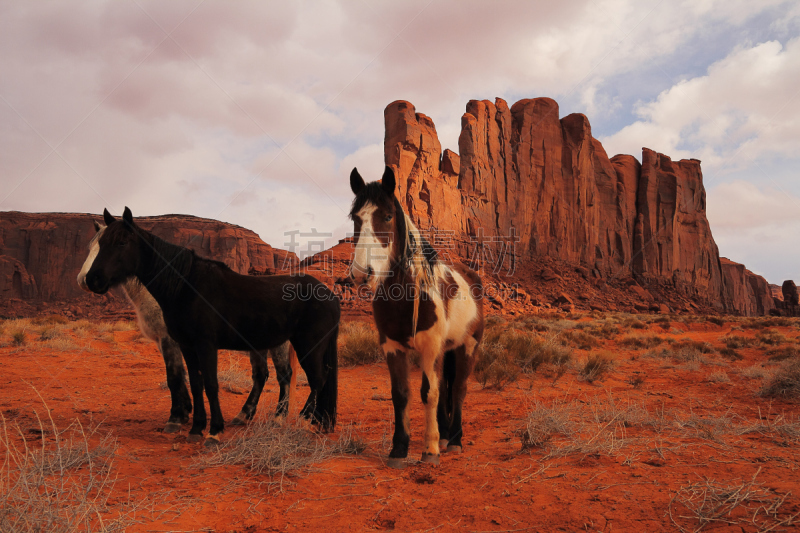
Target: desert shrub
18, 337
641, 341
278, 450
785, 382
770, 338
715, 320
59, 485
48, 332
494, 366
596, 365
358, 344
754, 372
736, 341
781, 354
719, 377
607, 331
634, 323
699, 346
535, 323
49, 320
680, 354
124, 325
580, 339
60, 344
544, 422
234, 377
766, 322
731, 354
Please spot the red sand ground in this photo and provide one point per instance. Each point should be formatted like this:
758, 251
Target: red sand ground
492, 486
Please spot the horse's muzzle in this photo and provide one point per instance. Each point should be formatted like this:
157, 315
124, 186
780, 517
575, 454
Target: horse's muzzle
97, 283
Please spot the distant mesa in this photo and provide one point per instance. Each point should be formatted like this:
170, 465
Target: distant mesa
541, 185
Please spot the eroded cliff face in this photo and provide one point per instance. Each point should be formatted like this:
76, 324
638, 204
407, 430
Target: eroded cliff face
530, 185
42, 253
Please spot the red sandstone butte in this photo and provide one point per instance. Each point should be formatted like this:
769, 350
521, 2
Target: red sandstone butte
526, 174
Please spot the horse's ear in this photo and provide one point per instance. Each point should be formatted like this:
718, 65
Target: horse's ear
97, 225
387, 181
108, 218
127, 216
356, 181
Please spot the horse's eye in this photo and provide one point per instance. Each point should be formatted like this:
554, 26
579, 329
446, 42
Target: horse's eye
387, 218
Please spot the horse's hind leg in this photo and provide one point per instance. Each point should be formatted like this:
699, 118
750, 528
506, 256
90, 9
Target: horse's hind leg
281, 358
176, 381
444, 414
260, 374
464, 362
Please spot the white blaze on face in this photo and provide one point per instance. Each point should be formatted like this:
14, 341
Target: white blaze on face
94, 249
370, 251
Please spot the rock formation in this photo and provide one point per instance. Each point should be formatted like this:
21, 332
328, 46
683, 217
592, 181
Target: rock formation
529, 185
42, 253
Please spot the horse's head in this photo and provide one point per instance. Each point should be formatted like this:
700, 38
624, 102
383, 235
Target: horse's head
379, 228
114, 253
94, 247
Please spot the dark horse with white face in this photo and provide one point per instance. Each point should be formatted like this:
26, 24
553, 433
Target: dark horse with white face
420, 303
207, 306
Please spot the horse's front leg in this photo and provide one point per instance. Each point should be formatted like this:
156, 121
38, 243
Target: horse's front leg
176, 381
196, 384
260, 374
207, 359
397, 359
429, 345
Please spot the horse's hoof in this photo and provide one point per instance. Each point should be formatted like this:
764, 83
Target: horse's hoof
430, 458
396, 462
453, 448
172, 427
240, 420
443, 444
194, 437
212, 441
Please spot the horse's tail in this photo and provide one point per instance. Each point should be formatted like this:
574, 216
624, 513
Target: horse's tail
295, 366
328, 396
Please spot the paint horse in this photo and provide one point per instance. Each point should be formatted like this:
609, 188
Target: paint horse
152, 326
207, 307
420, 303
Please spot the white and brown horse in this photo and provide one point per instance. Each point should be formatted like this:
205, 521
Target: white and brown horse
151, 324
419, 303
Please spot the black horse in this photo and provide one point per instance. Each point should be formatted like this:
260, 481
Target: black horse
207, 306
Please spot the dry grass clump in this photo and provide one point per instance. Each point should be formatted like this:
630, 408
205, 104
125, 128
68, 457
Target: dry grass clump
741, 504
736, 341
754, 372
280, 451
494, 366
358, 344
781, 354
634, 323
581, 339
596, 366
766, 322
18, 337
234, 377
770, 338
641, 341
59, 485
784, 382
716, 320
698, 346
719, 377
731, 354
544, 422
124, 325
60, 345
49, 320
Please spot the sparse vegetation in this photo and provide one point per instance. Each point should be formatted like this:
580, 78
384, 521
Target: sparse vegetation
641, 341
234, 377
61, 485
785, 382
275, 450
781, 354
596, 365
358, 344
719, 377
770, 338
735, 342
494, 366
18, 337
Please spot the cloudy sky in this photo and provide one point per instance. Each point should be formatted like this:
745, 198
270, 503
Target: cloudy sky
254, 112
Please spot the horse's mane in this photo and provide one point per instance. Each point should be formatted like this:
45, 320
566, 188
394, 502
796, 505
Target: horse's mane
173, 263
417, 257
